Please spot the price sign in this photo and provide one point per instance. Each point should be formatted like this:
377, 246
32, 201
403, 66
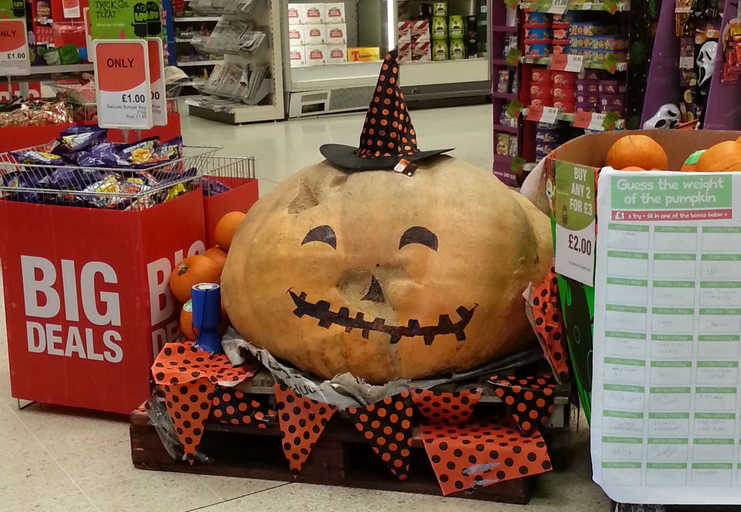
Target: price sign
590, 121
539, 113
558, 6
573, 213
157, 81
567, 62
122, 81
14, 56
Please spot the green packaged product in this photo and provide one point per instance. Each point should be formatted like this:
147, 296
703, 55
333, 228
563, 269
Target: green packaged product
456, 27
457, 49
439, 28
440, 9
439, 50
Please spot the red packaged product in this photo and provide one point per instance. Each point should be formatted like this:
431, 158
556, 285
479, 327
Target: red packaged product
563, 94
540, 91
540, 75
558, 47
563, 79
565, 106
546, 102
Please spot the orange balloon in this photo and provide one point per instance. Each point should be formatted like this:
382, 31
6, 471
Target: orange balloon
632, 168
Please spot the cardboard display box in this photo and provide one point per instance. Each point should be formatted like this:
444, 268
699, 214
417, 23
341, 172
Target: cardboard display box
570, 185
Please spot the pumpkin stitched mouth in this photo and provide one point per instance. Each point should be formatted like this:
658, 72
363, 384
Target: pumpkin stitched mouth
322, 312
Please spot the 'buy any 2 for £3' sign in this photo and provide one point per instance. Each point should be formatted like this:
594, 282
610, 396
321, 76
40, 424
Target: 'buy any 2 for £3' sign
123, 88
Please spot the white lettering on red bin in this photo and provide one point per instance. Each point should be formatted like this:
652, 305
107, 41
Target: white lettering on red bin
42, 300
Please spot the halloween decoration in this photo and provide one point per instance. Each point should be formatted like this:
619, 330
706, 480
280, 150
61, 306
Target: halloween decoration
636, 150
191, 271
529, 401
447, 408
226, 227
388, 136
668, 116
384, 275
722, 157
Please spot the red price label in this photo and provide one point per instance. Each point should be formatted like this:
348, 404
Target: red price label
567, 62
559, 61
582, 119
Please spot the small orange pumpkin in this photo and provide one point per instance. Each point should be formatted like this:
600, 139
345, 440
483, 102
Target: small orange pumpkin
191, 271
186, 322
217, 254
722, 157
637, 151
690, 165
634, 168
226, 227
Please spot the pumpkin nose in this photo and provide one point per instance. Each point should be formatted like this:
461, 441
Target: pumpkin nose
375, 292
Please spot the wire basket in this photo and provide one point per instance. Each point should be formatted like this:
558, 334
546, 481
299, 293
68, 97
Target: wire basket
101, 187
225, 167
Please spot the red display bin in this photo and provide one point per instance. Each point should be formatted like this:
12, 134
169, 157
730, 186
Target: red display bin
87, 299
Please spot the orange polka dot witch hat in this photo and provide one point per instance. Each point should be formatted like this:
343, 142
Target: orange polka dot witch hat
388, 134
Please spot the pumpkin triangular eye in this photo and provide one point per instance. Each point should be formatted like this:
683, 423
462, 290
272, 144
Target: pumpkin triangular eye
321, 234
419, 235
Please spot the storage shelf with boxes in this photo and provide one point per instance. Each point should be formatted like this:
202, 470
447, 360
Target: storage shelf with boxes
317, 34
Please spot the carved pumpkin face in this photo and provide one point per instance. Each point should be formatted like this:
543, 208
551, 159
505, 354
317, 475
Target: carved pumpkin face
384, 275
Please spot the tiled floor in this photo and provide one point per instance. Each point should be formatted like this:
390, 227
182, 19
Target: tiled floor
56, 459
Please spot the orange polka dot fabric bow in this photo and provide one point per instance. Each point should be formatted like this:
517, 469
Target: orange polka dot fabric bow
447, 408
387, 424
548, 324
188, 378
477, 455
528, 400
302, 421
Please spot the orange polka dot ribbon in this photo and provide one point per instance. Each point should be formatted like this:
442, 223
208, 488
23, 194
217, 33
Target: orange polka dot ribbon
387, 425
447, 408
233, 407
302, 421
548, 324
388, 129
477, 455
528, 400
188, 378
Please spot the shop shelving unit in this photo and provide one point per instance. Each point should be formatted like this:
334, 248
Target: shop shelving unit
232, 111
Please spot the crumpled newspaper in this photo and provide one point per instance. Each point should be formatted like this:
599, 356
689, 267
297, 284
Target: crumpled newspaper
346, 390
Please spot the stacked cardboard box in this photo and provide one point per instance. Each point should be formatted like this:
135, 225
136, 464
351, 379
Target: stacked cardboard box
414, 41
317, 34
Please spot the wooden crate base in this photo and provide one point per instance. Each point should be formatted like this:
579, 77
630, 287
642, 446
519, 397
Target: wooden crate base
339, 458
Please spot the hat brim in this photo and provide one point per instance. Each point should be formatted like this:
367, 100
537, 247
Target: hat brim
346, 157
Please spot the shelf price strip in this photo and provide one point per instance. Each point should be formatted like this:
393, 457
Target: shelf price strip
567, 62
14, 57
122, 81
540, 114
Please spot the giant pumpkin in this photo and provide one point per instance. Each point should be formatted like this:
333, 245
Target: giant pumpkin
387, 276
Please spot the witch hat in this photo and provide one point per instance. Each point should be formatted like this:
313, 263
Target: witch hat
388, 136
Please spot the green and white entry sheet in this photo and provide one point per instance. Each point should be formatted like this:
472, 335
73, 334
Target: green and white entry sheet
666, 426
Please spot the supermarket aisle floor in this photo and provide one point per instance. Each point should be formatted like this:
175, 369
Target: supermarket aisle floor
56, 459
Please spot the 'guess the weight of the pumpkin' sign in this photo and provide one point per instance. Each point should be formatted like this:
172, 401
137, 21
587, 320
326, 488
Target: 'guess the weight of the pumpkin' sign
582, 245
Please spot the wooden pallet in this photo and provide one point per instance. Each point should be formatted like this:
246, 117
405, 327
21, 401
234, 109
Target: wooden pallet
341, 457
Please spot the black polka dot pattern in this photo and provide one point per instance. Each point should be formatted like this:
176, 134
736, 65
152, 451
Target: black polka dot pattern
387, 425
388, 129
492, 455
182, 362
188, 406
529, 401
233, 407
548, 325
446, 408
301, 425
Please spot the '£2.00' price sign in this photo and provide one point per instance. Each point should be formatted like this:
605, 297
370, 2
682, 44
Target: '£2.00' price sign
14, 57
123, 87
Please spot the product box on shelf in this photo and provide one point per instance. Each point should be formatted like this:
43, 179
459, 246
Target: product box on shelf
334, 12
363, 53
315, 55
297, 55
336, 54
336, 33
294, 14
404, 32
315, 34
422, 51
296, 35
420, 31
313, 14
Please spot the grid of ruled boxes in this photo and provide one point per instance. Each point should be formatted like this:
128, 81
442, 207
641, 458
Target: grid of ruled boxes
671, 355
